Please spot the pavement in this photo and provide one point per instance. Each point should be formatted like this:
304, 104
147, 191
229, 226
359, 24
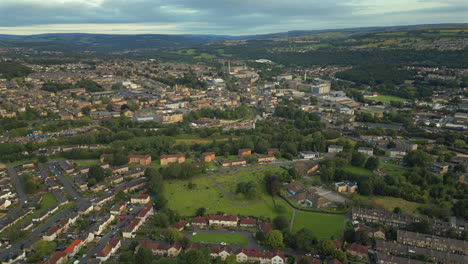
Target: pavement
21, 194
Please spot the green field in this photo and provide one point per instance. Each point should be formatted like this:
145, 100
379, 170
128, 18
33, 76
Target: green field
392, 170
239, 239
389, 203
358, 170
322, 225
387, 98
86, 163
209, 194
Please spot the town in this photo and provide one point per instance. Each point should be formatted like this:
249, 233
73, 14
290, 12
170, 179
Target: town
235, 161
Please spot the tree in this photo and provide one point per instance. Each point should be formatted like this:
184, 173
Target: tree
200, 211
275, 239
172, 235
155, 180
162, 220
249, 189
96, 172
281, 222
160, 202
86, 110
362, 237
327, 248
418, 158
372, 163
231, 259
305, 240
358, 159
460, 208
120, 196
195, 256
144, 256
397, 210
43, 247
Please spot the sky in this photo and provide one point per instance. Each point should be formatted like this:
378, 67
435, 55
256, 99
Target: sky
219, 17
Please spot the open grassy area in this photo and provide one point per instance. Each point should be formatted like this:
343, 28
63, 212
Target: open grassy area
391, 169
86, 163
357, 170
208, 193
239, 239
387, 98
389, 203
323, 225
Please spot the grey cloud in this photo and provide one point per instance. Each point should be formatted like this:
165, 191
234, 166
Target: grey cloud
208, 16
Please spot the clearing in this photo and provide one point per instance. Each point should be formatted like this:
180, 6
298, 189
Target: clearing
387, 98
323, 226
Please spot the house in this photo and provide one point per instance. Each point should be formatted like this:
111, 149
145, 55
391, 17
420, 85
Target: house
58, 257
309, 155
271, 151
265, 227
146, 212
265, 158
397, 153
143, 160
244, 255
248, 222
244, 152
335, 148
159, 249
432, 242
294, 187
110, 248
366, 151
120, 169
140, 199
357, 250
346, 186
306, 167
132, 228
229, 163
176, 158
307, 198
391, 259
74, 247
14, 257
220, 252
200, 222
100, 226
308, 259
373, 232
118, 208
180, 225
223, 220
208, 156
440, 168
405, 145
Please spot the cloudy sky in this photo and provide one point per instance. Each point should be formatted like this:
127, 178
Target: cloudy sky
227, 17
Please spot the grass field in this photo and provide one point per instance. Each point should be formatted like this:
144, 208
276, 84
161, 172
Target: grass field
323, 225
239, 239
392, 170
209, 194
386, 98
389, 203
357, 170
86, 163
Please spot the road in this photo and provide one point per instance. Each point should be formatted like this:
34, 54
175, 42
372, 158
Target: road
21, 194
66, 184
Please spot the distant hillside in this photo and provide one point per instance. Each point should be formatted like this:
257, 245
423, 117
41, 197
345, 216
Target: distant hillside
102, 42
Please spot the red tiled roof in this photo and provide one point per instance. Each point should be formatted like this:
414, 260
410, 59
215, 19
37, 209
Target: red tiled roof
232, 218
180, 155
208, 154
144, 211
338, 244
248, 221
139, 156
265, 227
180, 224
56, 257
200, 220
358, 248
108, 247
71, 247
